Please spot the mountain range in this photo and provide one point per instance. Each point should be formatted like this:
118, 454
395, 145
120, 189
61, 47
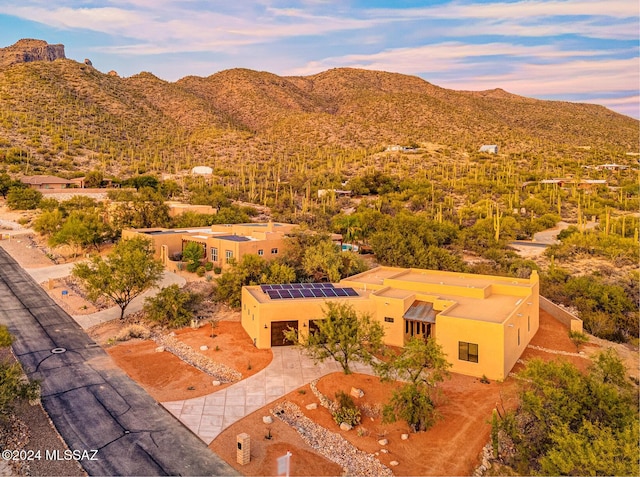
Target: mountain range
69, 115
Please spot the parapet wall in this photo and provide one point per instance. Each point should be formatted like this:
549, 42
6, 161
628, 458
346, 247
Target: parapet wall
563, 316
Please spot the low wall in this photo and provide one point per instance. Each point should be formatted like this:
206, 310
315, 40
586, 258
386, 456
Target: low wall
563, 316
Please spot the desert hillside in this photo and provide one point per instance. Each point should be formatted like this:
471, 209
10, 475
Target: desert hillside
67, 116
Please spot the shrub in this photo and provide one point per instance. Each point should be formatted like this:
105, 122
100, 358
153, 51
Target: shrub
347, 411
23, 199
578, 338
133, 331
217, 270
172, 306
412, 404
208, 266
200, 271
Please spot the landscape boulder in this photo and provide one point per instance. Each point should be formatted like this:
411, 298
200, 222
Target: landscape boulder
357, 393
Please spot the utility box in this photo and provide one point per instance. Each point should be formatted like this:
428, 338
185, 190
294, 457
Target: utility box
243, 453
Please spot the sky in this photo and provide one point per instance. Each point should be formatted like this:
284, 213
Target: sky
568, 50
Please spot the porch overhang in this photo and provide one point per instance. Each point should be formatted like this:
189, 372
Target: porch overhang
421, 311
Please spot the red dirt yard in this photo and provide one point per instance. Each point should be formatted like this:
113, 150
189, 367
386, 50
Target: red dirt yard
167, 378
451, 447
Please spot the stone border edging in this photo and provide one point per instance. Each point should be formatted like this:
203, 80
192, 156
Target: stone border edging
205, 364
330, 444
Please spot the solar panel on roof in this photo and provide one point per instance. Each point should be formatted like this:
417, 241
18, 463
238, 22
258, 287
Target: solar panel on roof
287, 291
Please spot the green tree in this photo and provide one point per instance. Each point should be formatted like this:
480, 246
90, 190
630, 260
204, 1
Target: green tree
93, 179
571, 423
413, 405
192, 253
7, 183
348, 226
82, 229
19, 198
49, 222
279, 273
172, 306
127, 271
341, 335
144, 209
322, 262
421, 364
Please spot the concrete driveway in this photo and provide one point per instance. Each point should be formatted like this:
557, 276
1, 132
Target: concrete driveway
207, 416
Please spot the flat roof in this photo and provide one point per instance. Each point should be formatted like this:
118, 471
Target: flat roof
494, 308
234, 238
459, 279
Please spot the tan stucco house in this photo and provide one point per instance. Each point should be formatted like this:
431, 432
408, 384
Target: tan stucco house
482, 322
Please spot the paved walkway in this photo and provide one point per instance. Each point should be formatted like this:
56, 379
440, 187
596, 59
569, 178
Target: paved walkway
87, 321
43, 274
207, 416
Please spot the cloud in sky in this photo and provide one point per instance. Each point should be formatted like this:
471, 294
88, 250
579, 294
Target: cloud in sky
581, 50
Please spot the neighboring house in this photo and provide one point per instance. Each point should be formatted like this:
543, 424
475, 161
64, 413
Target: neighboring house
482, 322
612, 167
220, 243
337, 192
202, 170
178, 208
46, 182
489, 148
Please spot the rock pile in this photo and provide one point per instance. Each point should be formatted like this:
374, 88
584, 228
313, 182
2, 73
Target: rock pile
487, 457
187, 354
324, 400
331, 445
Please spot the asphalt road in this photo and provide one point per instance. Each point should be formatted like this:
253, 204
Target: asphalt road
94, 405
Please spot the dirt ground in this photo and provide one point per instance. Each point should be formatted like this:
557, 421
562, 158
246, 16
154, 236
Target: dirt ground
26, 252
167, 378
451, 447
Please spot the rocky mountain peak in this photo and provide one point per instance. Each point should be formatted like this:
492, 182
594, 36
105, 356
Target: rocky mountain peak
27, 50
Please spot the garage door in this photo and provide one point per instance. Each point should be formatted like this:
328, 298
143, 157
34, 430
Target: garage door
277, 332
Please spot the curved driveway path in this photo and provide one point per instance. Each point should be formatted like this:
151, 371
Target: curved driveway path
207, 416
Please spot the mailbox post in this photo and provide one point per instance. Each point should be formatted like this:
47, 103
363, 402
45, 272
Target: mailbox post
243, 454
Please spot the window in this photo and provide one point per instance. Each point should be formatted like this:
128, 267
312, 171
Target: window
214, 254
228, 255
467, 351
388, 319
260, 252
274, 251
